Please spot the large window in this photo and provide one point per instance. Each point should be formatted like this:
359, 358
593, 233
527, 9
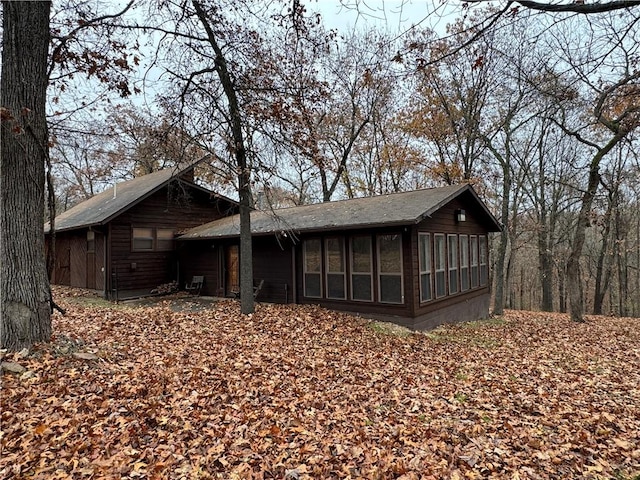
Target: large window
474, 261
439, 261
142, 240
453, 263
361, 269
335, 268
464, 263
312, 268
424, 252
390, 268
484, 271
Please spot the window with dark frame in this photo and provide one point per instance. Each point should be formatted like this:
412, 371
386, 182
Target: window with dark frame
439, 259
484, 271
424, 254
312, 266
142, 240
464, 263
474, 260
91, 241
164, 239
361, 269
335, 268
452, 249
390, 284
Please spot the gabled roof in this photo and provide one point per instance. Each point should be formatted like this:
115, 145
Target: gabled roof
104, 206
385, 210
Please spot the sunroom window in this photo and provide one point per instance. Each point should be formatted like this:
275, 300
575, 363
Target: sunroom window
335, 268
439, 264
464, 263
424, 251
313, 268
361, 269
453, 263
390, 286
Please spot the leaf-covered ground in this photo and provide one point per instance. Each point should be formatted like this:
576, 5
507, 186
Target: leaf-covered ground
300, 392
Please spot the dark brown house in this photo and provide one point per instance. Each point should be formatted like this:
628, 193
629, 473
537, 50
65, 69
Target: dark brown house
417, 258
121, 241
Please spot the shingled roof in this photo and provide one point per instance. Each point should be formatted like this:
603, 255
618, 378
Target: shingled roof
385, 210
104, 206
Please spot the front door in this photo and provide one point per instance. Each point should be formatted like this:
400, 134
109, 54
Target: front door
232, 270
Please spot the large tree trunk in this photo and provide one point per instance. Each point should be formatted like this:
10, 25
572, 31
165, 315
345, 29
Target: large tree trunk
24, 287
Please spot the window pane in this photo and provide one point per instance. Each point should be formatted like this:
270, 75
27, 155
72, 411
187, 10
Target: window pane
164, 239
438, 247
143, 239
453, 263
464, 279
361, 254
390, 255
361, 287
424, 249
335, 285
312, 258
464, 251
440, 284
335, 255
425, 287
425, 252
483, 260
474, 260
391, 288
312, 285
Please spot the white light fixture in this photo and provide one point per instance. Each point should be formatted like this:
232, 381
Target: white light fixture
461, 216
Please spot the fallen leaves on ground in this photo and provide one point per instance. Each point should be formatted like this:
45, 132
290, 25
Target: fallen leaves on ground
300, 392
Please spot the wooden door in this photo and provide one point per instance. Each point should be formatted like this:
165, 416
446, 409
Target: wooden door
232, 270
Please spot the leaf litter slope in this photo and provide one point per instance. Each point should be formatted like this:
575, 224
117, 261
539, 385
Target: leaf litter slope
302, 392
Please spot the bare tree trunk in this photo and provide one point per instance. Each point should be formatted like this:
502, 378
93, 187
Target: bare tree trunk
574, 280
603, 271
240, 154
25, 316
498, 307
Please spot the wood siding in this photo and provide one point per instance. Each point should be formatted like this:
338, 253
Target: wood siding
400, 310
443, 221
176, 206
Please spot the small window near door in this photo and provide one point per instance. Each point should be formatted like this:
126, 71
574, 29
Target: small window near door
91, 241
164, 239
142, 239
312, 268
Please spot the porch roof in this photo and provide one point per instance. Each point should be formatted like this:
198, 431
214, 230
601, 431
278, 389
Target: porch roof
385, 210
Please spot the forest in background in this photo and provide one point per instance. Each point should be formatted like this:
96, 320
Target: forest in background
531, 108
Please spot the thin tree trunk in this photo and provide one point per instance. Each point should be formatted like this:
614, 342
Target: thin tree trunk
603, 272
498, 307
25, 316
